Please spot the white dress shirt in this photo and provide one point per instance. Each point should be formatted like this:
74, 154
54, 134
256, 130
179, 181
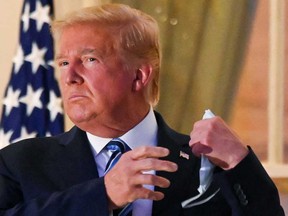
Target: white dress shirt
144, 133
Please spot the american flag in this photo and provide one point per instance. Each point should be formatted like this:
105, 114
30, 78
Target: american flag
32, 105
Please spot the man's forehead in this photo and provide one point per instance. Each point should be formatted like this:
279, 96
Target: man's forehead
86, 40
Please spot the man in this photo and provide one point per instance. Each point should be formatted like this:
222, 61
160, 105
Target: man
109, 61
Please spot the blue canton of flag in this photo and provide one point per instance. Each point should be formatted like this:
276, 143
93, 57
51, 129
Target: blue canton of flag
32, 105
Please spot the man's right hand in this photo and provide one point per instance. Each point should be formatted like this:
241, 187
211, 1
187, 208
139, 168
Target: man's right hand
124, 182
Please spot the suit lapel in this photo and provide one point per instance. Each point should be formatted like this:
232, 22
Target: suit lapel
71, 168
185, 179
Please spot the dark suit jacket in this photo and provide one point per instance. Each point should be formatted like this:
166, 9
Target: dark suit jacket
58, 176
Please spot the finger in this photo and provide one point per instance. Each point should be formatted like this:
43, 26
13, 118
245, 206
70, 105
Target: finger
151, 179
148, 164
144, 193
198, 149
148, 151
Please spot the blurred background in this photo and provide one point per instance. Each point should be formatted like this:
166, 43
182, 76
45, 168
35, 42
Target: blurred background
228, 56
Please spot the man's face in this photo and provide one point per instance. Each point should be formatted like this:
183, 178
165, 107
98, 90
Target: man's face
96, 88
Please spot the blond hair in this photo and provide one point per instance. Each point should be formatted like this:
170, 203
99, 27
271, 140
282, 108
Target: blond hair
137, 33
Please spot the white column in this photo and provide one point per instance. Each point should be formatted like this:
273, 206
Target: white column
276, 82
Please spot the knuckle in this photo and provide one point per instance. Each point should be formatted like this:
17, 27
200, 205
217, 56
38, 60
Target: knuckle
131, 198
209, 140
150, 163
142, 150
196, 125
146, 194
150, 179
145, 149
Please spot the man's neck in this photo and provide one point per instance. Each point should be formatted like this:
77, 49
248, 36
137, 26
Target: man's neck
115, 128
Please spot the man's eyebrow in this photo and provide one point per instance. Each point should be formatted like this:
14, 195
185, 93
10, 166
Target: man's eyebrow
90, 51
60, 56
82, 52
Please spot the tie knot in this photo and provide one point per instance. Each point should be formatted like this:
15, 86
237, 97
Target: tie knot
115, 146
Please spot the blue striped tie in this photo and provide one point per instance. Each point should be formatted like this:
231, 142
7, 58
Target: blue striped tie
117, 147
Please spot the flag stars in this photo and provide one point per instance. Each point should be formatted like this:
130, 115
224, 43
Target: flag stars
11, 100
18, 59
26, 17
36, 57
54, 106
41, 15
48, 134
5, 137
51, 63
32, 99
32, 83
25, 135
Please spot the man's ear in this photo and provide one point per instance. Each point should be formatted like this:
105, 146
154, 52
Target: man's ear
143, 75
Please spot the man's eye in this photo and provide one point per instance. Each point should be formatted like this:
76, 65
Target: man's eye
91, 59
63, 63
90, 62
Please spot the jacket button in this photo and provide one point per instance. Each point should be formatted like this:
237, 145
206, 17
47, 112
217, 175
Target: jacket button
244, 202
241, 196
237, 188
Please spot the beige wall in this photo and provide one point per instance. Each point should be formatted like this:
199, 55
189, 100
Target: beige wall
9, 25
10, 12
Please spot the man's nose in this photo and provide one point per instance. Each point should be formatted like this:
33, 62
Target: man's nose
74, 74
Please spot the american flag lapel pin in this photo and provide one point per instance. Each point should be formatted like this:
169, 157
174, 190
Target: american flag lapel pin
184, 155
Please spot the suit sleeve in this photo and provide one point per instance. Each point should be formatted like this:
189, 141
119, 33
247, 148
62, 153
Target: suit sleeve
248, 189
88, 198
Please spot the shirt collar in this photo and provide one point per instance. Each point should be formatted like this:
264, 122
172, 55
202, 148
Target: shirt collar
144, 133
